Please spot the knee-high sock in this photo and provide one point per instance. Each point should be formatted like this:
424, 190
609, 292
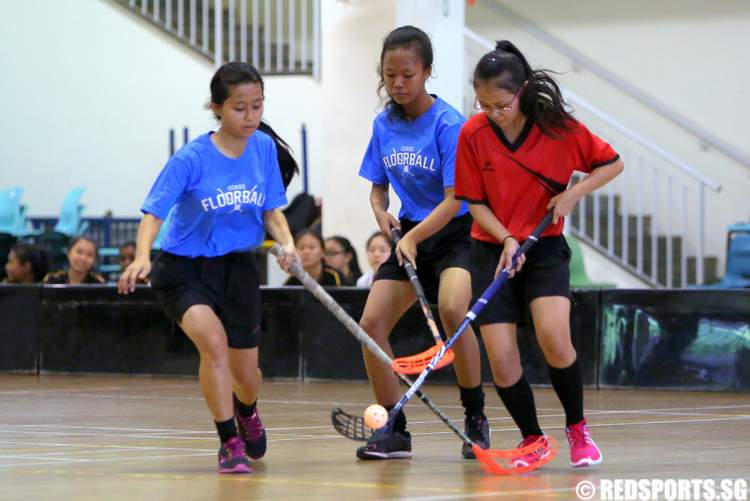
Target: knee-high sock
568, 384
473, 400
519, 400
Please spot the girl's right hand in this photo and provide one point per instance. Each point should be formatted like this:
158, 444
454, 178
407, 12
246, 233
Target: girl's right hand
510, 247
287, 256
386, 221
138, 269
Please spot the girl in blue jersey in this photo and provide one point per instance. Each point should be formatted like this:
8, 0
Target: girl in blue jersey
224, 189
413, 148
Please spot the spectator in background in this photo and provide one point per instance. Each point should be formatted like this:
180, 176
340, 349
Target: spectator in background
81, 261
341, 256
26, 264
310, 247
378, 250
126, 255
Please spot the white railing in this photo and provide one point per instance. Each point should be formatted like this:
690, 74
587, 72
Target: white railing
704, 135
279, 37
654, 194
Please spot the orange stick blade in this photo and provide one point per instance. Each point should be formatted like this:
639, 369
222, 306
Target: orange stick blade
415, 364
517, 461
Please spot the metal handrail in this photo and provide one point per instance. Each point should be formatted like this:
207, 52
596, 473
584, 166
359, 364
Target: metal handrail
633, 201
287, 35
629, 89
578, 101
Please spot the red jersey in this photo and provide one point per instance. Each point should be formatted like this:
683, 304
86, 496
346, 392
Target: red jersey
516, 181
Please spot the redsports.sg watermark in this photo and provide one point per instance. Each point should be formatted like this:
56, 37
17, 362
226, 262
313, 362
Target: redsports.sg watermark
672, 489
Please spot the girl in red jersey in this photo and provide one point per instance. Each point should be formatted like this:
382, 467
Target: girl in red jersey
514, 162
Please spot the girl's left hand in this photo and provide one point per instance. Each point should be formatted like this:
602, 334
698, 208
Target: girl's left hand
563, 205
287, 257
406, 249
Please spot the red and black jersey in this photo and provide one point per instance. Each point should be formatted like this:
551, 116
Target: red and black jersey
517, 180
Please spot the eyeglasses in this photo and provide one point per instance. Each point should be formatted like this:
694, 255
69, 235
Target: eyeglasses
497, 109
333, 253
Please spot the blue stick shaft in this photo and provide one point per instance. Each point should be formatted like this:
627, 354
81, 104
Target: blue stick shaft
475, 310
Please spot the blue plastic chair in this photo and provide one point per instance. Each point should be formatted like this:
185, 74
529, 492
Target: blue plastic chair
738, 258
11, 212
69, 223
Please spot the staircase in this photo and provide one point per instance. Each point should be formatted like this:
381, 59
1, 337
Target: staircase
663, 260
279, 37
650, 220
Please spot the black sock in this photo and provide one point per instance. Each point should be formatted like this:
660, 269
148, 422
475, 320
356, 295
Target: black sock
519, 400
568, 384
473, 401
244, 410
399, 423
227, 429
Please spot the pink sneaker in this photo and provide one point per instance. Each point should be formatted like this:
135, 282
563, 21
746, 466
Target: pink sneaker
232, 457
583, 450
531, 457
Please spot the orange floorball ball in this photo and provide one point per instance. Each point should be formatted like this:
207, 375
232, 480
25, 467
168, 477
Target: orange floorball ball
376, 416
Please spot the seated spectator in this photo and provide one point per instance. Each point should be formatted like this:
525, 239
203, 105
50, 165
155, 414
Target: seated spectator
341, 256
126, 255
26, 264
310, 250
81, 260
378, 251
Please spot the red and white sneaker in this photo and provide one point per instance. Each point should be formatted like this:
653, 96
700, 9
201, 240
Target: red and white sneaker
537, 454
583, 449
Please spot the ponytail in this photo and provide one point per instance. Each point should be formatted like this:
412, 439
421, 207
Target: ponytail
287, 164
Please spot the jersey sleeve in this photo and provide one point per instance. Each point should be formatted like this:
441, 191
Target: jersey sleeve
447, 142
469, 184
168, 188
275, 191
591, 151
372, 164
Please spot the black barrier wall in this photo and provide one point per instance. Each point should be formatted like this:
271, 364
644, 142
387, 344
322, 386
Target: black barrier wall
697, 339
20, 307
646, 338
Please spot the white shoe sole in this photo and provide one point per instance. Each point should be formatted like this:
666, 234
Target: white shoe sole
389, 455
586, 462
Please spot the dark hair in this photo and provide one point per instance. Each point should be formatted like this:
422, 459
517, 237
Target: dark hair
127, 244
374, 236
313, 233
407, 37
540, 100
78, 239
235, 73
36, 256
348, 249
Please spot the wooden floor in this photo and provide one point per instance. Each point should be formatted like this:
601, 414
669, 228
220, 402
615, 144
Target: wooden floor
151, 438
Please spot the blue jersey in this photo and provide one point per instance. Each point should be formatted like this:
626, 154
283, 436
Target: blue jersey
416, 157
217, 202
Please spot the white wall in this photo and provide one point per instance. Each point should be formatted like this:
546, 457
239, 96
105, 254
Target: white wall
89, 92
688, 54
443, 21
352, 36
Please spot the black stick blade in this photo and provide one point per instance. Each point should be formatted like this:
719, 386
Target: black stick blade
352, 427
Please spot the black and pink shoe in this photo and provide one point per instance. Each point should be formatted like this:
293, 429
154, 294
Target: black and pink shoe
252, 431
232, 458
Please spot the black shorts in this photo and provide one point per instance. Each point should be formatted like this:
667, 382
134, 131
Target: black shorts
229, 284
448, 248
545, 273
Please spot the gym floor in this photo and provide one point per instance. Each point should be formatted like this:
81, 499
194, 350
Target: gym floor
108, 437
